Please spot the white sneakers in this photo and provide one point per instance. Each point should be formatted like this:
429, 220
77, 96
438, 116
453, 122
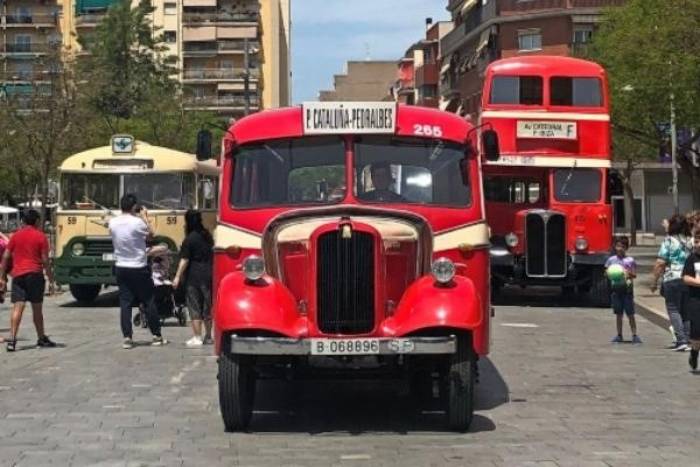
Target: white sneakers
196, 341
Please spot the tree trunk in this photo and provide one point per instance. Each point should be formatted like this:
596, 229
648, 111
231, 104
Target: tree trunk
630, 218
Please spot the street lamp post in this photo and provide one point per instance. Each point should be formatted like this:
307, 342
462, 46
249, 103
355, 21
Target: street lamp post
674, 159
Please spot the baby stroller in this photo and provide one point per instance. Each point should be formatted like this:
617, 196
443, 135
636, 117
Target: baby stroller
169, 303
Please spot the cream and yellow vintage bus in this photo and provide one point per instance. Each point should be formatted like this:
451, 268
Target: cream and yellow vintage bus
166, 182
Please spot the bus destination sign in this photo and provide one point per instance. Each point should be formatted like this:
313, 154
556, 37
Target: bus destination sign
349, 117
547, 129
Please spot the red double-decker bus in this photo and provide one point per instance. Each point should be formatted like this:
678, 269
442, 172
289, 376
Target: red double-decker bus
352, 242
547, 199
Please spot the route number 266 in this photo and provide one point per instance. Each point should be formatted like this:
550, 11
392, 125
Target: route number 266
427, 130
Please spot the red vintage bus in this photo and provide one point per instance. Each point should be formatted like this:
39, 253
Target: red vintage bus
547, 199
351, 240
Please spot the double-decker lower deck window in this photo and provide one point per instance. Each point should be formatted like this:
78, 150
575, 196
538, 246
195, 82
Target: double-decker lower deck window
577, 185
499, 189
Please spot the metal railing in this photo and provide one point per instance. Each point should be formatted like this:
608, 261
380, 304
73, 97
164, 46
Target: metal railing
21, 20
89, 19
220, 46
221, 101
219, 74
25, 47
197, 18
24, 76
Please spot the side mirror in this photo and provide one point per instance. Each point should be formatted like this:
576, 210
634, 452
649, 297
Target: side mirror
204, 145
489, 139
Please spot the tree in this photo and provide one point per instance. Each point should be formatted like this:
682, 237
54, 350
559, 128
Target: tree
131, 81
45, 117
649, 50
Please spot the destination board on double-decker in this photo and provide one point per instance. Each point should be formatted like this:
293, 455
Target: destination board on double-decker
349, 117
547, 129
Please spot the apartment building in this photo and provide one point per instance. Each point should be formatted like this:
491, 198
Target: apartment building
486, 30
363, 81
233, 55
29, 31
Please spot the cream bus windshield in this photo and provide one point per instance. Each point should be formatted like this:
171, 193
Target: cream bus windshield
162, 191
91, 191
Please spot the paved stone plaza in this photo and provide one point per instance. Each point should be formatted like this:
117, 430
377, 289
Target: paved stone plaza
554, 393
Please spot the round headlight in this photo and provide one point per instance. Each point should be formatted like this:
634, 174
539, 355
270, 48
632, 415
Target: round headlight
78, 249
512, 240
443, 270
581, 243
253, 267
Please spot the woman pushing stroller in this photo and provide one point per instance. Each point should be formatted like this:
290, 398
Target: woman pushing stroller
194, 274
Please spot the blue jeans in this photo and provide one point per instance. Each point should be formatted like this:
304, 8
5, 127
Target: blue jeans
675, 295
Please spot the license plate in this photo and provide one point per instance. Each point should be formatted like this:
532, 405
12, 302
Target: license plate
107, 256
344, 346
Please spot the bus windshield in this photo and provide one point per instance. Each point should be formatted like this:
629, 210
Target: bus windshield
289, 172
90, 191
161, 191
411, 170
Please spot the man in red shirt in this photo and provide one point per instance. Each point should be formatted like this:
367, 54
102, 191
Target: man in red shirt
29, 251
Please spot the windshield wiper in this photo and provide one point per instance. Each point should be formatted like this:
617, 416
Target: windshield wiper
96, 204
562, 192
156, 205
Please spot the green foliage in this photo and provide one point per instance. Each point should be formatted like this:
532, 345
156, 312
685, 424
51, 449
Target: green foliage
650, 51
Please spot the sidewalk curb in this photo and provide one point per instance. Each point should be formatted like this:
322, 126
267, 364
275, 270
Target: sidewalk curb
652, 314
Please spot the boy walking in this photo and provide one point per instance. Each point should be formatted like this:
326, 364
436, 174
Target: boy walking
28, 249
691, 277
622, 288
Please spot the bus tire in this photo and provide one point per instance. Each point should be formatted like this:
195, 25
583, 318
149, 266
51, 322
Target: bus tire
236, 390
85, 293
599, 293
461, 379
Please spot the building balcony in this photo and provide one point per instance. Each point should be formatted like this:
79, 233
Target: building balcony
427, 74
203, 49
222, 74
33, 21
221, 103
89, 20
25, 48
24, 76
579, 49
194, 19
468, 29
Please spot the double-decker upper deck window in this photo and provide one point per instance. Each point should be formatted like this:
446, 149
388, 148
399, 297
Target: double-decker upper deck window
289, 172
523, 90
578, 92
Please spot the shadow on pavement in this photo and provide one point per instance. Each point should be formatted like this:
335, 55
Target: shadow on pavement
361, 407
551, 297
108, 299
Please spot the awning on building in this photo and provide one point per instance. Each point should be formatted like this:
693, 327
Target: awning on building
468, 5
459, 109
449, 105
236, 86
200, 3
207, 33
83, 6
483, 40
249, 32
445, 67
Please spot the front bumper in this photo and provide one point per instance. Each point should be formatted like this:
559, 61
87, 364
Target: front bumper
387, 346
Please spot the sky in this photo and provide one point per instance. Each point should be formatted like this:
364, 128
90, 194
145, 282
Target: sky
328, 33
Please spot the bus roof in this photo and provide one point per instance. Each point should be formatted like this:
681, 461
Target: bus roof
287, 122
545, 65
164, 160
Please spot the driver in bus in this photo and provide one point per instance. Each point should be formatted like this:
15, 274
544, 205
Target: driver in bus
381, 180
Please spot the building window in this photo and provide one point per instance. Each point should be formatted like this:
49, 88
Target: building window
529, 39
170, 37
199, 93
582, 35
170, 8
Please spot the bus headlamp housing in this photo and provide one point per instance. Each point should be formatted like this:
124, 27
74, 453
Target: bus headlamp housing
443, 270
581, 244
78, 249
511, 240
253, 268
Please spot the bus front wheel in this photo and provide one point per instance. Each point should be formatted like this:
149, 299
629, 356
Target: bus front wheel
85, 292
